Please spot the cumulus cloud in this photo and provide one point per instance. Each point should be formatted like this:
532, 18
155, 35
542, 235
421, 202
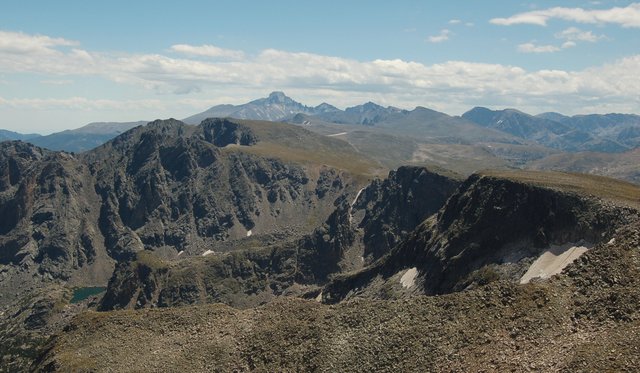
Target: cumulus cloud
571, 35
442, 36
575, 34
21, 43
207, 51
628, 16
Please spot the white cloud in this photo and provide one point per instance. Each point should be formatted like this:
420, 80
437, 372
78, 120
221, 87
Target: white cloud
575, 34
20, 43
628, 16
533, 48
207, 51
454, 21
571, 36
442, 36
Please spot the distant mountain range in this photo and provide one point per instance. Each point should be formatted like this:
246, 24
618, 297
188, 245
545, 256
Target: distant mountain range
402, 133
609, 133
279, 107
10, 135
84, 138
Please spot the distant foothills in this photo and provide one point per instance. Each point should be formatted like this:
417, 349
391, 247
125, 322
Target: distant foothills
608, 133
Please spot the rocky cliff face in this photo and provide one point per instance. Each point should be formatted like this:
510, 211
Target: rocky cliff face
391, 208
492, 228
397, 205
166, 186
49, 226
185, 189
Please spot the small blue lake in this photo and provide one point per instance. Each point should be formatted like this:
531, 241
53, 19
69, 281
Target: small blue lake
80, 294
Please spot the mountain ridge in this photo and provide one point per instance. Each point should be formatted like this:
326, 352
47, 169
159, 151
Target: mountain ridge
84, 138
609, 133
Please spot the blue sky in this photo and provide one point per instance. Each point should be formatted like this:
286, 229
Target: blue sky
67, 63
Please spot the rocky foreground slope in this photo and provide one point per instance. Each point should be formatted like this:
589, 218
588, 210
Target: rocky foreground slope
583, 320
447, 296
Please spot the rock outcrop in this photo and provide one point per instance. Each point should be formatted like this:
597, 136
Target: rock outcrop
394, 207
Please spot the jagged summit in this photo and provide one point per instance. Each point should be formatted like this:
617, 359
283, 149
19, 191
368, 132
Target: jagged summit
279, 107
275, 98
275, 107
325, 108
278, 97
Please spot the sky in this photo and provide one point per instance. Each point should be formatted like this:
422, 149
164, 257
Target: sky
64, 64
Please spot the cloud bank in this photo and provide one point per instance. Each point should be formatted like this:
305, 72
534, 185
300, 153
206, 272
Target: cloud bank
452, 86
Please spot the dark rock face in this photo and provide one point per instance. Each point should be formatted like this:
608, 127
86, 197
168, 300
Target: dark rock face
249, 277
44, 205
489, 222
475, 227
395, 206
172, 186
241, 278
223, 132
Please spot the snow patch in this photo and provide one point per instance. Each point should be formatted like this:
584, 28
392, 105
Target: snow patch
180, 253
357, 196
409, 278
337, 134
353, 203
319, 298
249, 233
208, 252
611, 241
553, 261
